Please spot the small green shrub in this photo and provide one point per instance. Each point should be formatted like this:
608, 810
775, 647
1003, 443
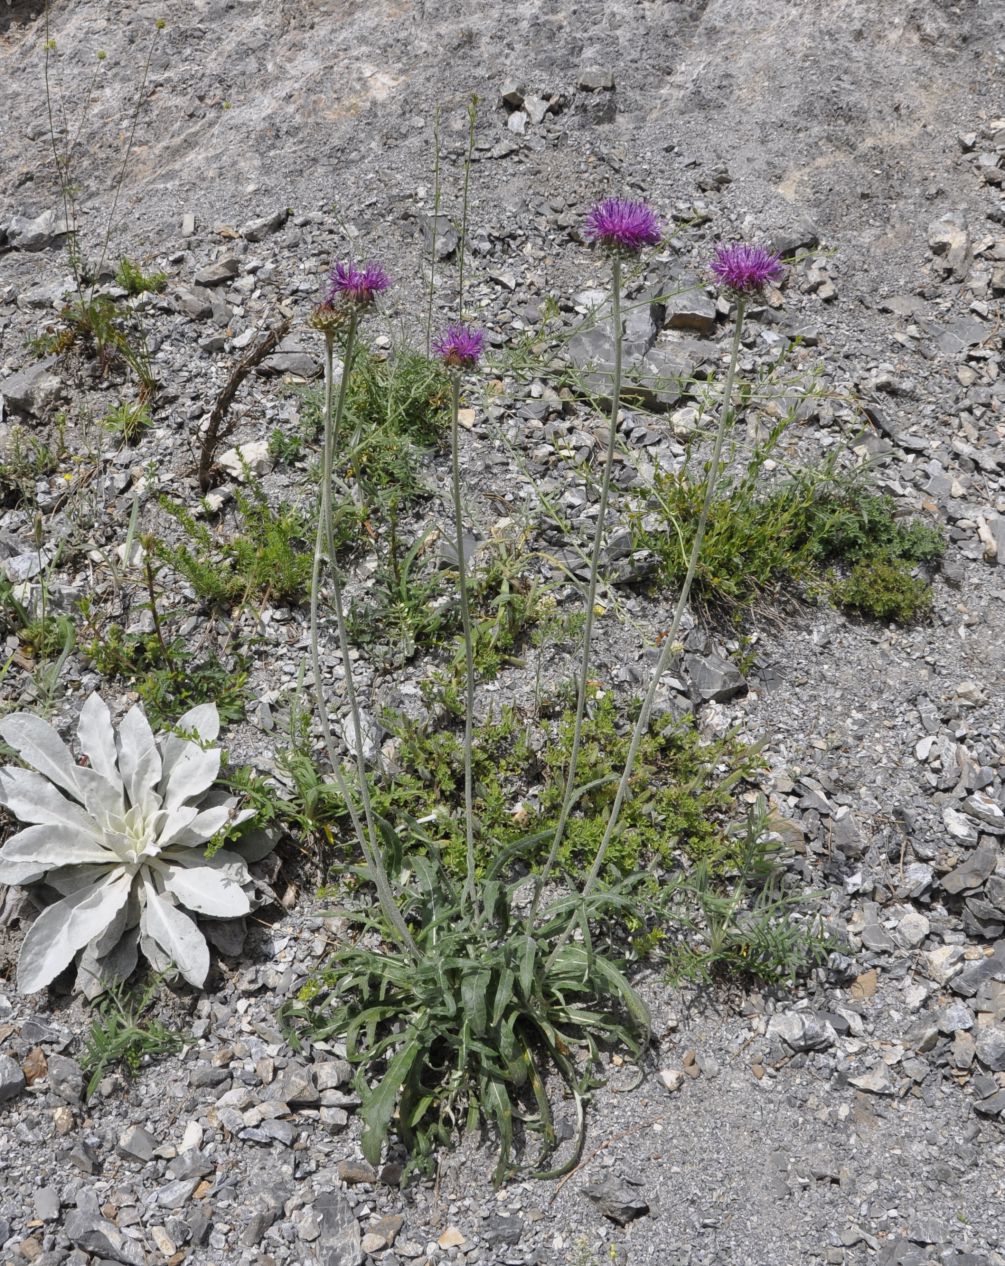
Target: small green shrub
681, 808
806, 531
396, 407
742, 923
127, 420
270, 557
134, 281
883, 591
170, 678
120, 1035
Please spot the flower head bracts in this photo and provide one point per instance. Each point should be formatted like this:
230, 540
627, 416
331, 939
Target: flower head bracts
350, 284
745, 269
459, 346
122, 840
622, 226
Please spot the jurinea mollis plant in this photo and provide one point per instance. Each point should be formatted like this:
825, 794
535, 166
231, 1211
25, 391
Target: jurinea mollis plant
122, 840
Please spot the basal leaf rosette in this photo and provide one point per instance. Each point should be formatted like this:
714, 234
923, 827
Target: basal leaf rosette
122, 841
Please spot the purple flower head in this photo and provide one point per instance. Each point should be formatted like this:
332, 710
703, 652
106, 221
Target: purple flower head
624, 226
745, 269
355, 285
459, 346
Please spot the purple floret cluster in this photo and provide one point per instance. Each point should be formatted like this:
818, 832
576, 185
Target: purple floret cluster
355, 285
745, 269
619, 224
459, 346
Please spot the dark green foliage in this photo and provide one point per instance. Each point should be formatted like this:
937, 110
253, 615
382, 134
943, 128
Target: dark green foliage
120, 1036
93, 322
680, 803
134, 281
271, 556
473, 1030
127, 420
395, 409
883, 591
172, 678
809, 531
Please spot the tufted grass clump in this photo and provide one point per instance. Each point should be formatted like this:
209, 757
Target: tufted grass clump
486, 1022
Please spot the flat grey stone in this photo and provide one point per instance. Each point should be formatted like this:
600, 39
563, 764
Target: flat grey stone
973, 872
174, 1195
66, 1078
12, 1080
713, 678
26, 234
617, 1200
137, 1143
294, 1086
258, 230
194, 301
989, 1039
339, 1242
802, 1031
47, 1204
691, 309
877, 1081
216, 274
32, 390
595, 80
93, 1234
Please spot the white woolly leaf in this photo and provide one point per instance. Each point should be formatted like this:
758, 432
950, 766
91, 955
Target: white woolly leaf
12, 873
203, 720
203, 827
173, 824
177, 935
66, 927
139, 760
39, 746
96, 736
49, 846
207, 890
33, 798
192, 774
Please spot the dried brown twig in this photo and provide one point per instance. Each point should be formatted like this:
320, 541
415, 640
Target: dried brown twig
216, 430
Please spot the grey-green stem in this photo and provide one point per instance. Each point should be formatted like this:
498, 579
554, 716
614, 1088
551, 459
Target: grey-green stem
469, 650
569, 797
367, 838
670, 646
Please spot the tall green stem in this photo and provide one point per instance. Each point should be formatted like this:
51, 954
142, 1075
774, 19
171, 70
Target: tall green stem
462, 246
436, 217
469, 650
569, 798
670, 646
368, 842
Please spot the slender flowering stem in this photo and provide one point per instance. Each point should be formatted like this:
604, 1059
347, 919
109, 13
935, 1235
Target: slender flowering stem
469, 650
436, 216
569, 798
670, 647
367, 838
462, 246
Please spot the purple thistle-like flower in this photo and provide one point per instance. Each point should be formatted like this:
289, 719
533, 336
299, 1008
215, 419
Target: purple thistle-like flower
459, 346
745, 269
356, 285
622, 225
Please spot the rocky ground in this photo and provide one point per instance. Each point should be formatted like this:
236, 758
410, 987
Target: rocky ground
855, 1119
